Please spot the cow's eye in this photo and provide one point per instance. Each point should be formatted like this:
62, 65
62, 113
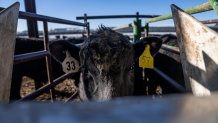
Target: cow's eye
63, 52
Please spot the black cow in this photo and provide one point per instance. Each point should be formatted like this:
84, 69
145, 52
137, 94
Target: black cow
36, 69
107, 59
143, 83
170, 64
170, 67
110, 62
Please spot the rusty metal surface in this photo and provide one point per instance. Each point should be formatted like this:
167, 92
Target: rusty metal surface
8, 29
48, 58
198, 50
210, 21
168, 109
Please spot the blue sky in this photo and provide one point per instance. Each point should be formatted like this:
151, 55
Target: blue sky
69, 9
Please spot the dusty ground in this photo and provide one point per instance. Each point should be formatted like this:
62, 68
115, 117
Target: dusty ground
63, 91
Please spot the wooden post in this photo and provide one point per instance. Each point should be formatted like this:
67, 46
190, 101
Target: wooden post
8, 24
198, 51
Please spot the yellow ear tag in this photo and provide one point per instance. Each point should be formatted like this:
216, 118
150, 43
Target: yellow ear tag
146, 60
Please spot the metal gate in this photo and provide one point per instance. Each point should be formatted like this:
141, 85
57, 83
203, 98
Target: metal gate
45, 53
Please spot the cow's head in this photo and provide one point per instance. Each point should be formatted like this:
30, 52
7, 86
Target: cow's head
106, 59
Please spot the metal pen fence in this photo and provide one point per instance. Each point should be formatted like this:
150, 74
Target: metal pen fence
45, 53
211, 5
137, 29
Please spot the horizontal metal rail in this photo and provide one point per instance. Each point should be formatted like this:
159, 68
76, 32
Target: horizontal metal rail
30, 56
210, 21
170, 80
40, 54
55, 33
28, 15
115, 16
46, 87
122, 27
193, 10
165, 29
170, 48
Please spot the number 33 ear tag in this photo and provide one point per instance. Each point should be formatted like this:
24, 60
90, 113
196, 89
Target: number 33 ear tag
70, 64
146, 60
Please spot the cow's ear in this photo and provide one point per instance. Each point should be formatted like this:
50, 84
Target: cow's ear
154, 42
169, 39
59, 48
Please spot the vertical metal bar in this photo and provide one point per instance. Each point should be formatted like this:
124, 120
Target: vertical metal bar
48, 58
137, 15
136, 28
32, 26
146, 29
214, 4
88, 29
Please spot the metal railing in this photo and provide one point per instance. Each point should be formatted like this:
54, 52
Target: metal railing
211, 5
45, 53
136, 22
192, 10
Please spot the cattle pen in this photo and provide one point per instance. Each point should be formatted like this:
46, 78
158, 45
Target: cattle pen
138, 29
36, 55
198, 62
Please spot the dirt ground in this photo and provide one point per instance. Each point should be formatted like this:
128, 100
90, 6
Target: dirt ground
66, 91
63, 91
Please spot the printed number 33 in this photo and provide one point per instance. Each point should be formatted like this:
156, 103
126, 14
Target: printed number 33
70, 65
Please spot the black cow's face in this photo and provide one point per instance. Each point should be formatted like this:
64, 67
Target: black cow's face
106, 59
